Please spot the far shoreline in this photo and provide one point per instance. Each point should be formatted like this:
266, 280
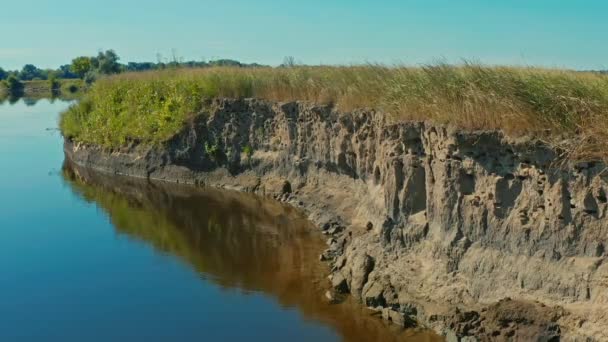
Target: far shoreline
69, 88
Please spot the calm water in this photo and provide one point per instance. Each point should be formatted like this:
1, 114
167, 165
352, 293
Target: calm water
86, 257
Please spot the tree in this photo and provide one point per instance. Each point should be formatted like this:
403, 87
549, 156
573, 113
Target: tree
81, 66
50, 73
289, 62
30, 72
65, 71
3, 74
225, 62
90, 77
133, 66
13, 85
106, 62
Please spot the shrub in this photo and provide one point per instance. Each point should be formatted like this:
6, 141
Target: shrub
90, 77
13, 85
213, 151
54, 84
248, 150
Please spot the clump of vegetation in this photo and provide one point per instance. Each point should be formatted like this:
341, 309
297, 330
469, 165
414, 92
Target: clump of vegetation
72, 88
13, 85
248, 150
54, 84
552, 104
214, 151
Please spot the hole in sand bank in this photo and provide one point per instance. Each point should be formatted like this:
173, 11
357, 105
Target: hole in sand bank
467, 184
377, 176
602, 197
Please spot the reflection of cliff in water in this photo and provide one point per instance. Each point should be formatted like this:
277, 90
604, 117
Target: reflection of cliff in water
235, 240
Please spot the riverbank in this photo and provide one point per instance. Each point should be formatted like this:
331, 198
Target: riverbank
67, 88
471, 234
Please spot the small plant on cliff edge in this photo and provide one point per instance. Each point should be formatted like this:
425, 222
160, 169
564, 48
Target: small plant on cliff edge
248, 150
229, 154
213, 151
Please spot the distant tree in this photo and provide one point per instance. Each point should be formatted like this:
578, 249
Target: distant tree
90, 77
46, 74
106, 63
289, 62
50, 73
195, 64
81, 66
132, 66
65, 71
159, 61
225, 62
176, 61
30, 72
54, 83
13, 85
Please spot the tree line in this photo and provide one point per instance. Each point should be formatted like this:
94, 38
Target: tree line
89, 68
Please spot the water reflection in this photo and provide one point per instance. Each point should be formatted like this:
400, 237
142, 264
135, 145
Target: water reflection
234, 240
31, 101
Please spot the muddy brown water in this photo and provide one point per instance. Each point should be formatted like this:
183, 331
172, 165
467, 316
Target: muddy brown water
93, 257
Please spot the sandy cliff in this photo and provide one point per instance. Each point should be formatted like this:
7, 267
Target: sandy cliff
472, 234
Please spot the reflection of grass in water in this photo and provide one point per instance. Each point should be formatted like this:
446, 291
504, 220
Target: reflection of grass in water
33, 99
137, 220
228, 242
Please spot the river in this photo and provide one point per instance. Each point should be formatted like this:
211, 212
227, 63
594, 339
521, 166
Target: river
89, 257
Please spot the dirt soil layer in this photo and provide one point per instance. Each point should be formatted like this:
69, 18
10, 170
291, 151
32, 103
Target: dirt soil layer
473, 234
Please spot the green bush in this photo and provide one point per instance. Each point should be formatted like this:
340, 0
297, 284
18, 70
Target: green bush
54, 84
248, 150
13, 85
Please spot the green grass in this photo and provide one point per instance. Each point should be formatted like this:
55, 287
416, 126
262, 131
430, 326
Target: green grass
566, 108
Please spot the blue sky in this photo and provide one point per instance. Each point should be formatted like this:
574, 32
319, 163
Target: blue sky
554, 33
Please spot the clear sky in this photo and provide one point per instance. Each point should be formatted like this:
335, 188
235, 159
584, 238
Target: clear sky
554, 33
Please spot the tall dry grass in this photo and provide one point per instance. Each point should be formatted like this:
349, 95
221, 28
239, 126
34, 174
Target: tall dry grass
566, 108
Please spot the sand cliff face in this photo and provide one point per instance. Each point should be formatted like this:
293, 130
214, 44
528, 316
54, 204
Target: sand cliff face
472, 234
